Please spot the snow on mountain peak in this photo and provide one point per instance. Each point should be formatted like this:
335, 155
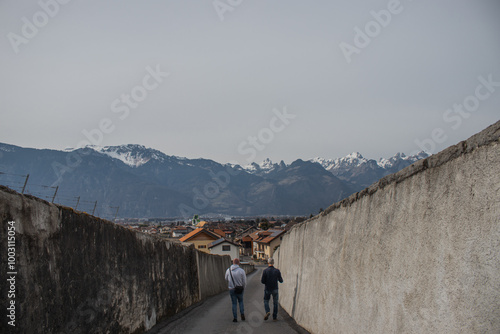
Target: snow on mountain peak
267, 164
351, 160
389, 163
132, 155
355, 159
354, 155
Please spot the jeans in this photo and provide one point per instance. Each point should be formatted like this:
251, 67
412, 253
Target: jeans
267, 296
234, 298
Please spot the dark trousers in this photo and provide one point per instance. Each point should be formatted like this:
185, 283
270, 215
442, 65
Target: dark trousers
267, 296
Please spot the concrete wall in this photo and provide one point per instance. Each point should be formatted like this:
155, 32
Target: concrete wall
247, 267
417, 252
211, 271
79, 274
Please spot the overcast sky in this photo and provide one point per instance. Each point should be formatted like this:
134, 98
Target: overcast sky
343, 76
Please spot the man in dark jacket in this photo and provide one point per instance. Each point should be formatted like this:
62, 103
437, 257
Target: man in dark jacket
270, 277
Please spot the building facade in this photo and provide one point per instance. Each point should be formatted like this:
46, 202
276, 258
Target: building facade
225, 247
200, 238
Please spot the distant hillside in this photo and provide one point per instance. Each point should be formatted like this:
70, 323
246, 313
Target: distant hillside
144, 182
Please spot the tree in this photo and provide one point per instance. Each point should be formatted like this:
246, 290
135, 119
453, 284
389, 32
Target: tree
264, 224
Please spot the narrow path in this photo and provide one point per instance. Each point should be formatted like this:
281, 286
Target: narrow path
214, 315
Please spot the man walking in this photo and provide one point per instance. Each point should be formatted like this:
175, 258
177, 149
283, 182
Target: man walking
237, 280
270, 277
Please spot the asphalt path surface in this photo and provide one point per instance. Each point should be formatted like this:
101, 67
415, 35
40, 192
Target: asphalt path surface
214, 315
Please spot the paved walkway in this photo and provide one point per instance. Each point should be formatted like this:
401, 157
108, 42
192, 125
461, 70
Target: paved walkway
214, 315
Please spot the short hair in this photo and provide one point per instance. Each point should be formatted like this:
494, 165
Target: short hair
236, 261
270, 260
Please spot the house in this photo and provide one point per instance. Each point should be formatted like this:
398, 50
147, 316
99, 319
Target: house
247, 243
219, 232
202, 224
149, 229
224, 233
266, 242
200, 238
246, 232
179, 232
229, 234
246, 240
165, 230
223, 246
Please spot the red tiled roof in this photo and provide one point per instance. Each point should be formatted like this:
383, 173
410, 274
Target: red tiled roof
222, 240
220, 232
273, 234
196, 232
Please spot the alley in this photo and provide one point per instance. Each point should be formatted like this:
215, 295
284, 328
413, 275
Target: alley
215, 316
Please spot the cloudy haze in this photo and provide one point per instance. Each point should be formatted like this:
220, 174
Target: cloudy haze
283, 79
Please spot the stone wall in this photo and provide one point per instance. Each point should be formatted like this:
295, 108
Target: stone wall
80, 274
211, 271
417, 252
247, 267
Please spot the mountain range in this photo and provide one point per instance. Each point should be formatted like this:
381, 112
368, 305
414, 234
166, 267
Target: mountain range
143, 182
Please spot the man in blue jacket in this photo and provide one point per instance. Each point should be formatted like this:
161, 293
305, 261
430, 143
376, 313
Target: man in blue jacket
270, 277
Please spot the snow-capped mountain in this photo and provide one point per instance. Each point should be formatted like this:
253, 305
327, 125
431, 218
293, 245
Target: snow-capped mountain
391, 162
132, 155
362, 172
148, 183
354, 159
265, 167
355, 169
339, 165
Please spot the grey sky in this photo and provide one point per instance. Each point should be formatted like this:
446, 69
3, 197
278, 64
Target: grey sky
227, 76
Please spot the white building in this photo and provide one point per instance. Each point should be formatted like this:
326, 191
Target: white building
180, 232
223, 246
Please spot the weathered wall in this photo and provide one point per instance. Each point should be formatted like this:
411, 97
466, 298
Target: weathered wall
247, 267
417, 252
211, 271
79, 274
